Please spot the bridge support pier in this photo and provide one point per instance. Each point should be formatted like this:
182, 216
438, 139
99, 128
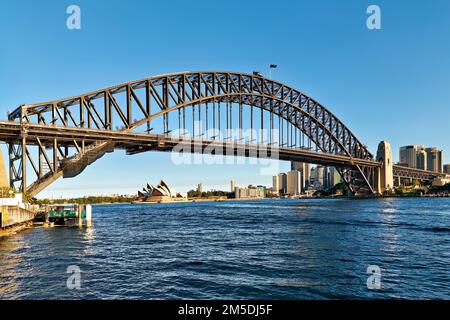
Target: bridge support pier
385, 179
17, 165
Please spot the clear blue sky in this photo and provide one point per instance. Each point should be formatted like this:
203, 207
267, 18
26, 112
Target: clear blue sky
391, 84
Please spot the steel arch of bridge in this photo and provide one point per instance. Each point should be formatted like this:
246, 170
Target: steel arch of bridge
157, 97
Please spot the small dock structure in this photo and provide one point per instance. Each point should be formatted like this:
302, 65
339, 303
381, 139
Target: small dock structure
69, 215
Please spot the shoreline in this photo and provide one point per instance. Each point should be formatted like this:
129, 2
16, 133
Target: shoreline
192, 200
274, 198
10, 231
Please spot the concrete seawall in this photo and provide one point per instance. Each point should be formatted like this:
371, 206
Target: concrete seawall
11, 216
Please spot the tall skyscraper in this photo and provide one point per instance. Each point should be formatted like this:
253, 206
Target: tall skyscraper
232, 185
319, 174
305, 169
294, 183
334, 177
413, 156
421, 159
312, 177
326, 177
434, 159
417, 156
282, 182
275, 184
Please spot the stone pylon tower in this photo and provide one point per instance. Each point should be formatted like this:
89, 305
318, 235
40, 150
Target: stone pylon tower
3, 176
386, 172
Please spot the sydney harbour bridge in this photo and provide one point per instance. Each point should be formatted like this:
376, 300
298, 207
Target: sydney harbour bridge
61, 138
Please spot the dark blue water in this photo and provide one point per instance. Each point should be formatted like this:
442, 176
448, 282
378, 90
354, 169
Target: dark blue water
269, 249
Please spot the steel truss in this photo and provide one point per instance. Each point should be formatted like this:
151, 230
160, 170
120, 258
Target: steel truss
134, 106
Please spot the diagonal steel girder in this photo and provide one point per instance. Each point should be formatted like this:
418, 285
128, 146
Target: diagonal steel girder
112, 110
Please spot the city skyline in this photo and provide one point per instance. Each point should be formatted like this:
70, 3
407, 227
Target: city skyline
381, 81
421, 157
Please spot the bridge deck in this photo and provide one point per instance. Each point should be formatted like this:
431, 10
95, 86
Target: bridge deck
138, 142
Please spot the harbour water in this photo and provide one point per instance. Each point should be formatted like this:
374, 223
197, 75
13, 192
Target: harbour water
266, 249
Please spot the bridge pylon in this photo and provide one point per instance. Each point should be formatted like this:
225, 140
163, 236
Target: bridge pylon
385, 174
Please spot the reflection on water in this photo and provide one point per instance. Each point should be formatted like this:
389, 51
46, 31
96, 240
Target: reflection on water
270, 249
11, 259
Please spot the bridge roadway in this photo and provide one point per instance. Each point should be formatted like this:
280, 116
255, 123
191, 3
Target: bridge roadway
413, 173
135, 142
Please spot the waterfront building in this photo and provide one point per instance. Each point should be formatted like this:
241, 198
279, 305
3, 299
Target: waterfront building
200, 188
447, 168
434, 159
439, 182
271, 192
294, 183
251, 192
232, 185
11, 200
263, 190
161, 193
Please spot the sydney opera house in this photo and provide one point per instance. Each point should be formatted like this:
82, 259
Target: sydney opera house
161, 193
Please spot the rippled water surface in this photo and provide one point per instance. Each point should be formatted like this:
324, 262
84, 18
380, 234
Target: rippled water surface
268, 249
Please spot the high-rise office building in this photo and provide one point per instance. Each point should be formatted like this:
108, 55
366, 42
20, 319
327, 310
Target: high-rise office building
305, 169
408, 156
282, 183
434, 159
326, 177
232, 185
319, 174
294, 183
275, 184
421, 159
417, 156
307, 174
413, 156
312, 176
333, 177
